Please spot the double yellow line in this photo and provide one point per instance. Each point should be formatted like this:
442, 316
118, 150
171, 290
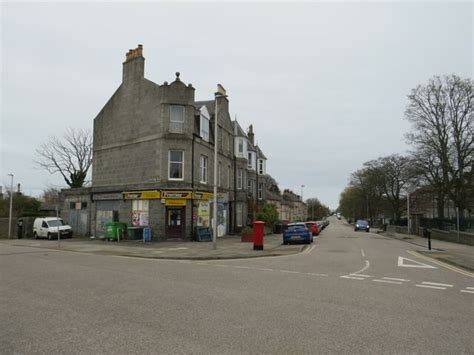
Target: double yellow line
440, 263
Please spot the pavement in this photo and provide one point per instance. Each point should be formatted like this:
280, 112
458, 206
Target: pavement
459, 255
227, 247
231, 247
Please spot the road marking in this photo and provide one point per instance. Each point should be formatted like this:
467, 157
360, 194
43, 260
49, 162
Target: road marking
362, 252
436, 287
242, 267
394, 279
352, 278
289, 272
466, 291
309, 250
263, 269
437, 262
401, 263
388, 281
367, 265
436, 284
313, 274
359, 275
470, 288
221, 265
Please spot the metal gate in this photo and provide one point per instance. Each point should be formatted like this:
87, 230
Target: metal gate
78, 222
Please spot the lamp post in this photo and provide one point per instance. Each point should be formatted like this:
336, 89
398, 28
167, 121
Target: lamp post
220, 93
11, 208
408, 212
302, 204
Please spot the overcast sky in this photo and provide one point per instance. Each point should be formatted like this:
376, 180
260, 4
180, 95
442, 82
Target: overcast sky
324, 84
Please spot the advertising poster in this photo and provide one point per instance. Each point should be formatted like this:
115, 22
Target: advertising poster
203, 214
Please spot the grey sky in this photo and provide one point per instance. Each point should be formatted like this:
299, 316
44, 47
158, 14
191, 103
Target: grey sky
324, 84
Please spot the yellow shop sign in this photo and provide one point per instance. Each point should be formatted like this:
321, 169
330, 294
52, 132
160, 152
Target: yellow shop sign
185, 195
175, 202
142, 195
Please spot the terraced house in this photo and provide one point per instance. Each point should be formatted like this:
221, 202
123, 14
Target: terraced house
154, 160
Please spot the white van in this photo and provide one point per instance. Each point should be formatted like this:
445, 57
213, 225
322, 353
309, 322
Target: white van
48, 227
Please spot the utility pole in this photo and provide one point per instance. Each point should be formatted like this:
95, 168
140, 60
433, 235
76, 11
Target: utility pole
408, 212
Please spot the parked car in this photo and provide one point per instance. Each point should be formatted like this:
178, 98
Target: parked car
314, 227
297, 232
48, 227
361, 224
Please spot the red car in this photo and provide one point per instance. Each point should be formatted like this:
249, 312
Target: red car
314, 227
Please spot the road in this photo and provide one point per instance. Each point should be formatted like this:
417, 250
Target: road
351, 292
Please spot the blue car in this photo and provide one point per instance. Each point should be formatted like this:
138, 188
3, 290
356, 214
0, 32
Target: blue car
297, 232
361, 224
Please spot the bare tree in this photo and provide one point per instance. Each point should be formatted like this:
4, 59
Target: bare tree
71, 156
442, 116
385, 178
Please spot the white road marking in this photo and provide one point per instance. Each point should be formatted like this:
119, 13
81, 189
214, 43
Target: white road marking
466, 291
388, 281
436, 284
367, 265
309, 250
289, 272
401, 263
263, 269
437, 262
313, 274
394, 279
242, 267
352, 278
470, 288
362, 252
221, 265
359, 275
436, 287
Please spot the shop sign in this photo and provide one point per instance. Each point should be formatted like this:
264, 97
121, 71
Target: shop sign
175, 203
142, 195
188, 195
105, 197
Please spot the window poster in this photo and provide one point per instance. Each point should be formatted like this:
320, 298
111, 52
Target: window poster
140, 213
203, 214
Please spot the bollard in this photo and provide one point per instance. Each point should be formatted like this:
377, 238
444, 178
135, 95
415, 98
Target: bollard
429, 240
258, 231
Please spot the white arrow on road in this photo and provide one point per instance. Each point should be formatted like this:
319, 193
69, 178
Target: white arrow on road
401, 262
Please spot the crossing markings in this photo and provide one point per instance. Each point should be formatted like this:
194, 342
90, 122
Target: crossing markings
436, 284
388, 281
351, 277
435, 287
417, 264
395, 279
468, 290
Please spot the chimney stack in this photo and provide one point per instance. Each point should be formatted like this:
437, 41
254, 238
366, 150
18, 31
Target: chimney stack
134, 65
250, 134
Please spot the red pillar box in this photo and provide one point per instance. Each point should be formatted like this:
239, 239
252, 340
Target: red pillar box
258, 231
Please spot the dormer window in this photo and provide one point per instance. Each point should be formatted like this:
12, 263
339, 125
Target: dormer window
176, 119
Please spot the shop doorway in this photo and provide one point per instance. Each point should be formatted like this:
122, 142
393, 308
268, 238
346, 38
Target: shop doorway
175, 222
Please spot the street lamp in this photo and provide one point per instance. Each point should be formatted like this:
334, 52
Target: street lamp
302, 204
220, 93
11, 208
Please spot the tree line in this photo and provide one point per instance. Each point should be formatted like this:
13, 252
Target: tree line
440, 160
